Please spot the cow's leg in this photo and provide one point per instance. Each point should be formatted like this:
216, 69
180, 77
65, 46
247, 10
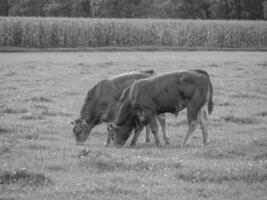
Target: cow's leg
108, 138
137, 132
191, 127
163, 124
147, 139
192, 117
203, 120
155, 130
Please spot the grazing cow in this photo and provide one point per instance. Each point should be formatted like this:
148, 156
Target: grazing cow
170, 92
101, 103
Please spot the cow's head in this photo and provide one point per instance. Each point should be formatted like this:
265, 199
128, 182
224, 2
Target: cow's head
119, 134
122, 127
81, 130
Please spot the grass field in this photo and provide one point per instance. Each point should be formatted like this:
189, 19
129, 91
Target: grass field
40, 93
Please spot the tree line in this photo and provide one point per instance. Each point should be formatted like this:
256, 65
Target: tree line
182, 9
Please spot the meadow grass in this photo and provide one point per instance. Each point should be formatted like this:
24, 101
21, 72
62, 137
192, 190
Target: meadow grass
39, 32
39, 159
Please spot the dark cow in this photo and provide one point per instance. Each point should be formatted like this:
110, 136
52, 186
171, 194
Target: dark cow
101, 103
170, 92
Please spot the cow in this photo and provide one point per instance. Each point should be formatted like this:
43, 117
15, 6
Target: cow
101, 104
166, 93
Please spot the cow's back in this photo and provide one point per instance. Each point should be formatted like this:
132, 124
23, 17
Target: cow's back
147, 92
163, 91
108, 92
123, 81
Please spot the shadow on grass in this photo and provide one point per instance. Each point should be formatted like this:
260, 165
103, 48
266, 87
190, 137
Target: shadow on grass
4, 148
5, 131
264, 64
55, 114
254, 150
230, 63
23, 177
262, 156
32, 117
31, 136
37, 147
104, 162
219, 154
56, 168
13, 111
262, 114
40, 99
260, 142
11, 74
224, 104
240, 120
41, 107
215, 176
71, 93
213, 65
112, 189
248, 96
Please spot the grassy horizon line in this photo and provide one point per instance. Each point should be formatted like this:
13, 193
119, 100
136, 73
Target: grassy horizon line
126, 49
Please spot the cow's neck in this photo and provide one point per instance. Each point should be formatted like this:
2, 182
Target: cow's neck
87, 115
89, 122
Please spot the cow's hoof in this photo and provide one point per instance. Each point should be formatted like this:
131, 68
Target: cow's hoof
206, 143
184, 145
106, 144
132, 145
157, 144
147, 140
167, 142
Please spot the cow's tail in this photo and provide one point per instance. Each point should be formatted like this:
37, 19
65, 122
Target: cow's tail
210, 92
210, 103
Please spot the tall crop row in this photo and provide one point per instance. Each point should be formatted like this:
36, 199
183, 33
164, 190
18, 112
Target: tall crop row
80, 32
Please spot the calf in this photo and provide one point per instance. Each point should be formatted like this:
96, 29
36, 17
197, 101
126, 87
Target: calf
166, 93
101, 104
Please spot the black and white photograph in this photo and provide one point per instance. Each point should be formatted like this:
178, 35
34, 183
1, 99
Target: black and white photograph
133, 99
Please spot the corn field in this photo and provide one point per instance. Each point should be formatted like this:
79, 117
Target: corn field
37, 32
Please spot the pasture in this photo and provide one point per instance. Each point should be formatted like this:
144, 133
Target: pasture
41, 93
